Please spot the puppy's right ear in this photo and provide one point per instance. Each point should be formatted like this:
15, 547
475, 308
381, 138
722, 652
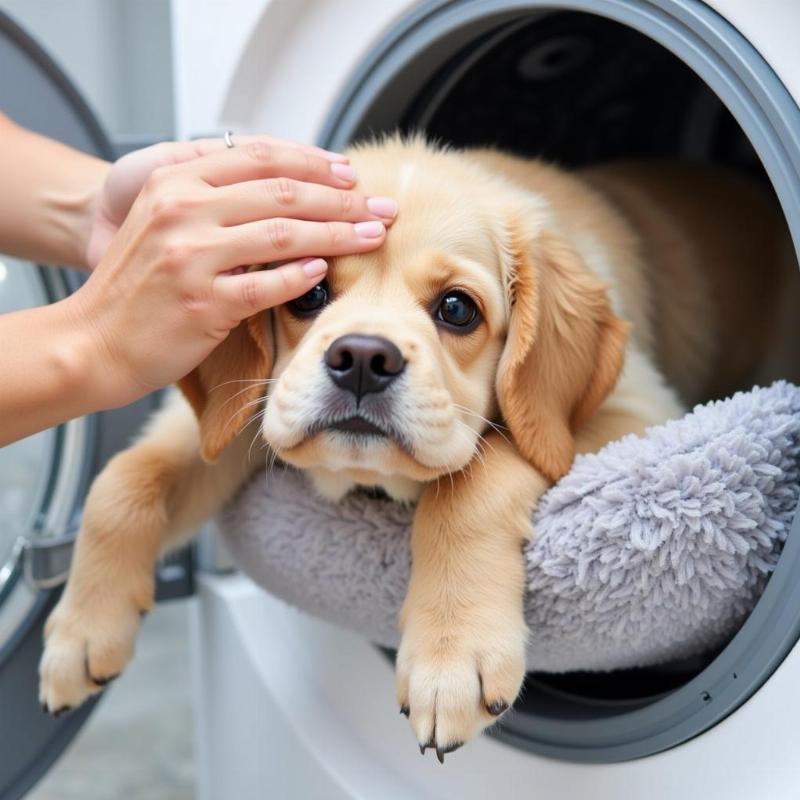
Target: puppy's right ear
224, 390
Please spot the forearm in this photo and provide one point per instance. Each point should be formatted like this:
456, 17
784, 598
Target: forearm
52, 370
49, 190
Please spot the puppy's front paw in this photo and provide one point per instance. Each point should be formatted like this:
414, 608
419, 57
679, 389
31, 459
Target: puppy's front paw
452, 686
85, 649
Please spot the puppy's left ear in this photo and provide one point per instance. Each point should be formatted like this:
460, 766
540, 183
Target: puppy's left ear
564, 350
225, 388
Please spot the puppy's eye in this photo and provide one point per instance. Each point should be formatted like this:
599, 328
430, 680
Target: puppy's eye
457, 309
311, 302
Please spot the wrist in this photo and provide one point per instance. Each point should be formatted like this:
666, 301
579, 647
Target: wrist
49, 196
75, 212
67, 212
82, 362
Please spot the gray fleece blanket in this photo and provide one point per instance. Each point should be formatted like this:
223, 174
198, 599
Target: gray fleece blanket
653, 549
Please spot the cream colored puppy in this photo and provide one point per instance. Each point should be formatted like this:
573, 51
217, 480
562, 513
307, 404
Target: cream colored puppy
462, 366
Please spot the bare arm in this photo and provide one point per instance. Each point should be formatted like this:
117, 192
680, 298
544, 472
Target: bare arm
48, 196
52, 370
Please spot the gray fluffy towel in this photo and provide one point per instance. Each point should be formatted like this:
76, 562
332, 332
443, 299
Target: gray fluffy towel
655, 548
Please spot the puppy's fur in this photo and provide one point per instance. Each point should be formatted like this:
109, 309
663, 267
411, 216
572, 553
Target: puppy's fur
593, 290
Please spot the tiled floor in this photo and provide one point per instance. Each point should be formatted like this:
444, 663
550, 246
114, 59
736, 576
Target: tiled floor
138, 744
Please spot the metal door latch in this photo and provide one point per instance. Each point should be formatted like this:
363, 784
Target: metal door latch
45, 565
45, 562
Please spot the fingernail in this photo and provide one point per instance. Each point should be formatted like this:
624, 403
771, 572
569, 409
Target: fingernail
315, 267
369, 230
382, 207
343, 171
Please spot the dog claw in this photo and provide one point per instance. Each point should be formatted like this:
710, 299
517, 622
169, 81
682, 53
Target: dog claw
104, 681
441, 752
424, 747
497, 708
61, 711
405, 710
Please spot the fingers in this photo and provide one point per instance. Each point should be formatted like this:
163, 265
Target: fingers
246, 294
279, 239
172, 153
284, 197
260, 159
205, 146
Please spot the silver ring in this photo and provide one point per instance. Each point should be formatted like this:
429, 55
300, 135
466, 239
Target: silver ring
228, 139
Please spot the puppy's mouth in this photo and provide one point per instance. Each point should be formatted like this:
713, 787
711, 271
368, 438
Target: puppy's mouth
359, 426
358, 430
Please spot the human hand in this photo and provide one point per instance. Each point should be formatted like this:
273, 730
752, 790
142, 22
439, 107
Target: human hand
172, 282
127, 176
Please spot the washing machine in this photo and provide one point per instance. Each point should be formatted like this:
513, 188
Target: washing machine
290, 707
44, 478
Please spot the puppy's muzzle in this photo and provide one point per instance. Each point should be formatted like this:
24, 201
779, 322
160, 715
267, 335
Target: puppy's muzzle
363, 364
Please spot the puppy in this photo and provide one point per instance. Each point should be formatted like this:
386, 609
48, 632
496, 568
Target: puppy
517, 315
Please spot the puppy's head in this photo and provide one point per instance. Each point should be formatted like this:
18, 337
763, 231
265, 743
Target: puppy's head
389, 372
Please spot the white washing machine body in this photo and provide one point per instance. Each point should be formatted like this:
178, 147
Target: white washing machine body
289, 706
281, 65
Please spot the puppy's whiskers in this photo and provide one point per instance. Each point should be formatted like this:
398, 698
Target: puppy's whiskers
257, 416
493, 425
253, 384
480, 443
272, 460
242, 380
244, 408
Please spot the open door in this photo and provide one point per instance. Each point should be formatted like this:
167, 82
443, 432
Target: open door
43, 479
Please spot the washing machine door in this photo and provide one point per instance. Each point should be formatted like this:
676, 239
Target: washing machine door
43, 478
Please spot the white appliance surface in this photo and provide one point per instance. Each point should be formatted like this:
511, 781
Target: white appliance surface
292, 707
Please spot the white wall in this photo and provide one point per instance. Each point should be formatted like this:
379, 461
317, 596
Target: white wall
117, 52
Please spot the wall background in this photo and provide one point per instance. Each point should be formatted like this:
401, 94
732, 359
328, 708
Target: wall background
117, 52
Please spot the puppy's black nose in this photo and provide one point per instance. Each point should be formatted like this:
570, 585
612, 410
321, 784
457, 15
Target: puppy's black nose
363, 364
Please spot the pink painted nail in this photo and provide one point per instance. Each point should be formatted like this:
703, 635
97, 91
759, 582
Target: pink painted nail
343, 171
369, 230
315, 267
382, 207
